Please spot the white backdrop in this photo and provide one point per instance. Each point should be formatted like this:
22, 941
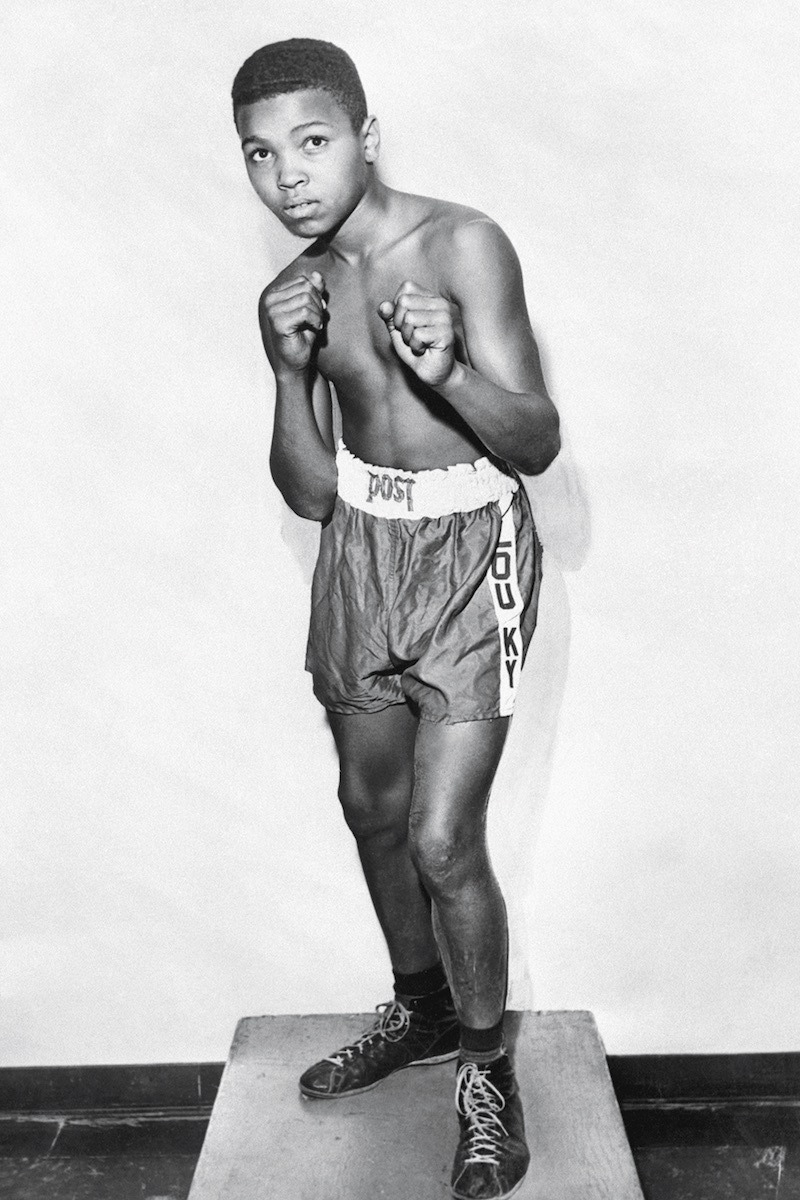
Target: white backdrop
171, 852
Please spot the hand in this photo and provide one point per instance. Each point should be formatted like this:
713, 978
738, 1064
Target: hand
421, 328
294, 314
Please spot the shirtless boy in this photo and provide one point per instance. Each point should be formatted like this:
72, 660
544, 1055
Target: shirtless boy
425, 592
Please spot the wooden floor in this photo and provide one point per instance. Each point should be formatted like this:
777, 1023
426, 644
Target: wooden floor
398, 1140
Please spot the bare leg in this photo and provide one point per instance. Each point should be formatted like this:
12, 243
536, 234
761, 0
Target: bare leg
414, 795
376, 758
455, 766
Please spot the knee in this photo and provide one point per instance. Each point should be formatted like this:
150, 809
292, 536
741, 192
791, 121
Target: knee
373, 813
446, 858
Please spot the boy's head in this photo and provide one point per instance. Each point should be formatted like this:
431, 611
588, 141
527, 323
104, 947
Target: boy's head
296, 65
308, 142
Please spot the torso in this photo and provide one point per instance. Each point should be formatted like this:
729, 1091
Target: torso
388, 416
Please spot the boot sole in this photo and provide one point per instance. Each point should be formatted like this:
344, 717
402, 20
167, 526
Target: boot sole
418, 1062
502, 1196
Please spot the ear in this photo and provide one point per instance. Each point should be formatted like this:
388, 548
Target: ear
371, 137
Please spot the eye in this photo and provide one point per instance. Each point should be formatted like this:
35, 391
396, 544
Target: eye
259, 155
315, 142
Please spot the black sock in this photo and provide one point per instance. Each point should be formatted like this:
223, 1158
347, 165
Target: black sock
482, 1045
420, 983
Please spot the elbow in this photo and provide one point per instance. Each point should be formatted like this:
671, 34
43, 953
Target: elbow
549, 452
543, 451
311, 498
311, 506
311, 510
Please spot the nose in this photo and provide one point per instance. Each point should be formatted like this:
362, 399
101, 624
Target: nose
291, 174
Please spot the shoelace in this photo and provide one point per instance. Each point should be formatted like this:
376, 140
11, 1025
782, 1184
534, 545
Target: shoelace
479, 1101
392, 1023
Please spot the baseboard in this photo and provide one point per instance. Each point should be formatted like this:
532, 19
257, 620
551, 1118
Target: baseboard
706, 1078
152, 1087
653, 1079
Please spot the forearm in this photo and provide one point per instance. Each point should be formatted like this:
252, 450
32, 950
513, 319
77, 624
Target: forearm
522, 428
302, 464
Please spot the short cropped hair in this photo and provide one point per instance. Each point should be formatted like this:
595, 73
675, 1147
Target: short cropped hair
297, 64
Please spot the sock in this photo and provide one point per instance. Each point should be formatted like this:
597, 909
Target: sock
482, 1045
420, 983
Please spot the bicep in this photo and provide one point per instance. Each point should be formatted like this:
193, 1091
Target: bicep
490, 295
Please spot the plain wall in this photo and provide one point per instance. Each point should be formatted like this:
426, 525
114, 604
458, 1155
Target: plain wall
172, 856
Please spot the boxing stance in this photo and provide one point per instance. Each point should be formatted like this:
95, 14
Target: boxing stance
425, 592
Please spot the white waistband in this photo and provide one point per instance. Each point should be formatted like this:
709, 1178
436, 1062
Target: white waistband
392, 492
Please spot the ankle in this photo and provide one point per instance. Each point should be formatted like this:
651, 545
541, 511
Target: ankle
480, 1058
482, 1045
418, 985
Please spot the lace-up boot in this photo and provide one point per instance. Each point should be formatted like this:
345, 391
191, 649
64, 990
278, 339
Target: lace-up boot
492, 1155
408, 1032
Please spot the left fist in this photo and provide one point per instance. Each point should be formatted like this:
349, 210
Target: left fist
421, 328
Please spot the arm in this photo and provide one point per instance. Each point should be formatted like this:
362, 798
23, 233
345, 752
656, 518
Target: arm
502, 395
302, 458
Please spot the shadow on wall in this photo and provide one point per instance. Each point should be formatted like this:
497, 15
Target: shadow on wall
302, 538
561, 513
561, 510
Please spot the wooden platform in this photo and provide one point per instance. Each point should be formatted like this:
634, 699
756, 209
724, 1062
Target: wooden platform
397, 1141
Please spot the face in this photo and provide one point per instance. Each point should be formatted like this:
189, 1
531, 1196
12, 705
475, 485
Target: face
305, 160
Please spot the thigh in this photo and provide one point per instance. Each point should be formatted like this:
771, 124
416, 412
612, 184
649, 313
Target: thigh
347, 652
477, 590
376, 761
454, 769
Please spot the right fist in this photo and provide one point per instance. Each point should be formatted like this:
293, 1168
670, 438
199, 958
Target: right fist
292, 317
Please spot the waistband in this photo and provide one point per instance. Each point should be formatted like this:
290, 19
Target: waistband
392, 492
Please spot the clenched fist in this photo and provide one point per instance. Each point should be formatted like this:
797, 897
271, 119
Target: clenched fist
420, 325
292, 317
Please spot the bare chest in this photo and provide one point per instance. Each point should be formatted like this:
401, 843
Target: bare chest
356, 346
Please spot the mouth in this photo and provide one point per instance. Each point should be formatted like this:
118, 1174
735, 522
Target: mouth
300, 208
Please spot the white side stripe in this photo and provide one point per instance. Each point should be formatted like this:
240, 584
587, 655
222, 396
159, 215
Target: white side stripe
504, 585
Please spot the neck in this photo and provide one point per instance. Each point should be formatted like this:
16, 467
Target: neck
364, 231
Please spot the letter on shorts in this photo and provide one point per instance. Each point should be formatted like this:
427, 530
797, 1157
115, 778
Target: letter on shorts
508, 609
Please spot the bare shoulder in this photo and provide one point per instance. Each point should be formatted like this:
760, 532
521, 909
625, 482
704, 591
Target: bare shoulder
462, 239
310, 260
